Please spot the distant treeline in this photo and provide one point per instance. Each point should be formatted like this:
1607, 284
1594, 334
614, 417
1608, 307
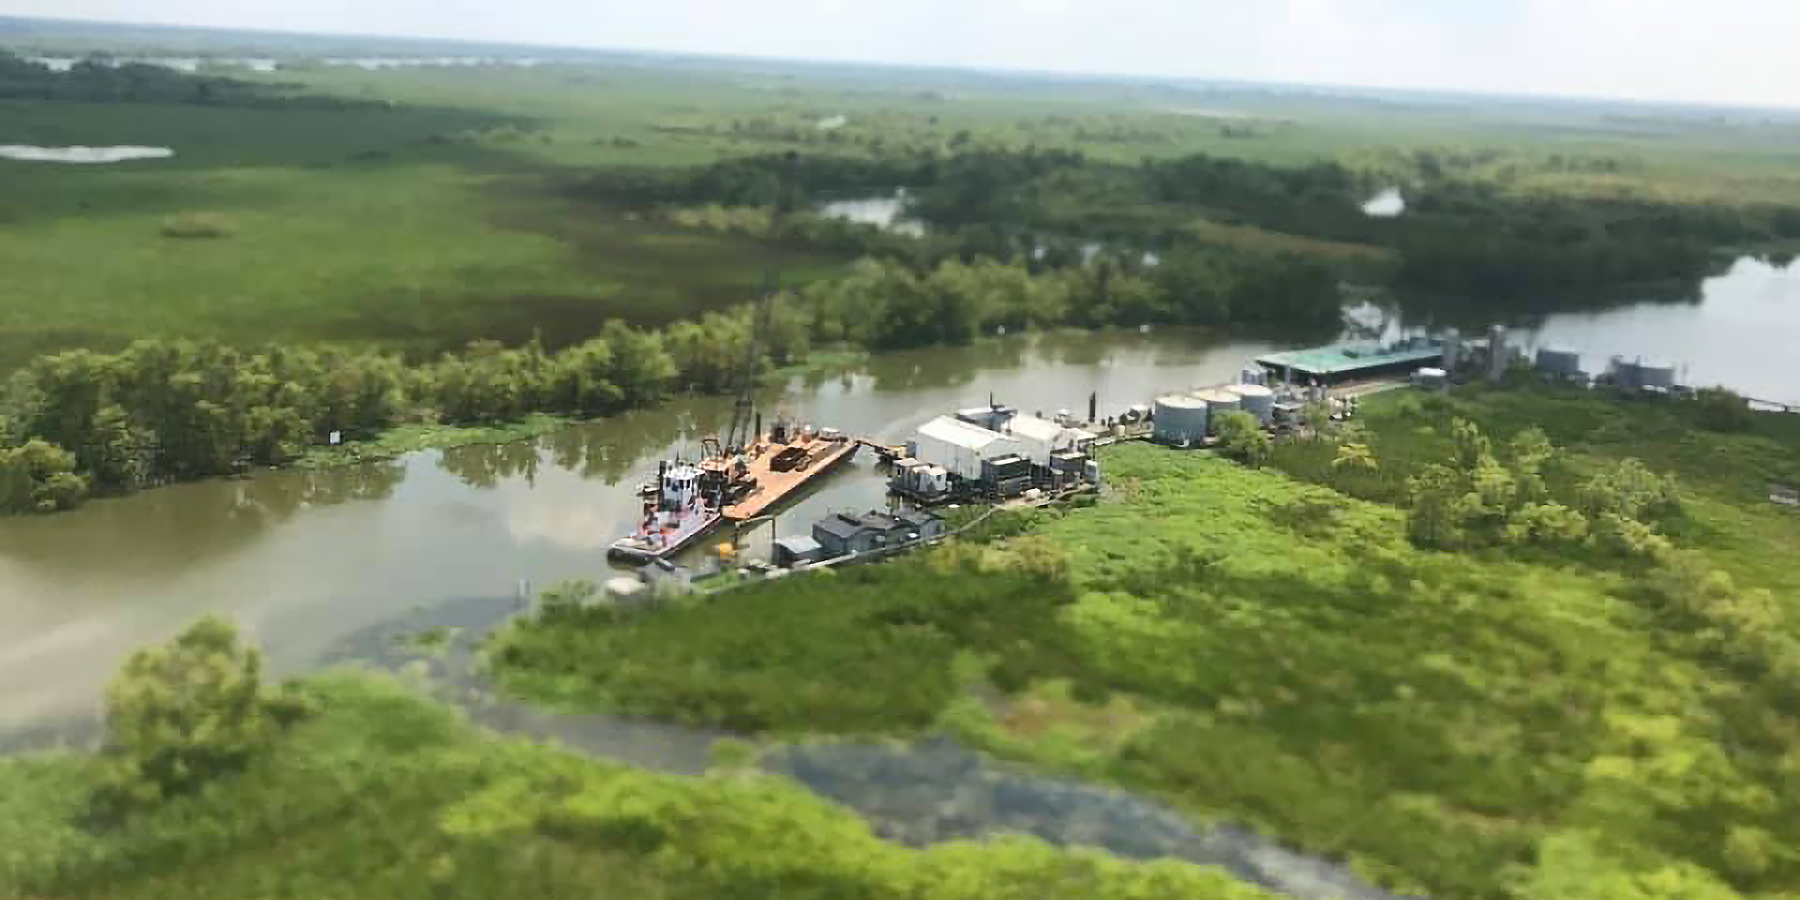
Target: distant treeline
1456, 237
83, 422
100, 81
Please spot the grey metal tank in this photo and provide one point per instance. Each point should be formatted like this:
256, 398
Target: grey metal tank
1218, 402
1180, 421
1656, 374
1558, 363
1256, 400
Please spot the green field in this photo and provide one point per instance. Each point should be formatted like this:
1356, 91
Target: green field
347, 226
446, 214
1473, 724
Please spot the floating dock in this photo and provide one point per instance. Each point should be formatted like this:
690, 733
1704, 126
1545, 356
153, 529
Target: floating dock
772, 485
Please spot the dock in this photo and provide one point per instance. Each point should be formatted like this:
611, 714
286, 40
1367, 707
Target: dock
773, 487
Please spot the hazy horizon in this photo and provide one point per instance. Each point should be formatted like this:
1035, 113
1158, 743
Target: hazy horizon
1728, 53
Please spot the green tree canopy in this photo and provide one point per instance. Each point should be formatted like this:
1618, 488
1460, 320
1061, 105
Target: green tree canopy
187, 711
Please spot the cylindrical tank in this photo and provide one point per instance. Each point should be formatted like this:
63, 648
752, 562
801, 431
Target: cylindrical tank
1657, 375
1180, 420
1258, 401
1558, 363
1218, 401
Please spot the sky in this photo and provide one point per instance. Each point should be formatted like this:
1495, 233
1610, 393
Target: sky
1716, 51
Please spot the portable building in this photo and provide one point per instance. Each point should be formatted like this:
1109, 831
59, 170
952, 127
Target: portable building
1039, 439
960, 447
797, 550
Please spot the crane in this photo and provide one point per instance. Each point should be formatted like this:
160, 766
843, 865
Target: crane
741, 436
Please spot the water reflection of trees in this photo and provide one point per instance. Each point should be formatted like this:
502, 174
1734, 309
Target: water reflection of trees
1532, 310
485, 466
170, 529
607, 451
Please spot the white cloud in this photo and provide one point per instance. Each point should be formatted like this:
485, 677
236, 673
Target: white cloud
1724, 50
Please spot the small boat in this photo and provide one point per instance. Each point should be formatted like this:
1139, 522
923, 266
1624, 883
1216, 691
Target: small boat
680, 512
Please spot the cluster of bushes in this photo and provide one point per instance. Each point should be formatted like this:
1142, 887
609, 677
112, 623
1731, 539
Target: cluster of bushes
1481, 496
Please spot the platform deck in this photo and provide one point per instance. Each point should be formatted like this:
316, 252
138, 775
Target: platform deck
773, 487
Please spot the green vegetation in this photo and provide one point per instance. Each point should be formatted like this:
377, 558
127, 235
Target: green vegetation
419, 210
182, 715
1505, 720
385, 795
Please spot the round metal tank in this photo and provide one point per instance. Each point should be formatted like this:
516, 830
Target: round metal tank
1656, 375
1218, 401
1180, 420
1558, 362
1258, 401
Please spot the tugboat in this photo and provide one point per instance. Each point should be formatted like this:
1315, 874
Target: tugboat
679, 512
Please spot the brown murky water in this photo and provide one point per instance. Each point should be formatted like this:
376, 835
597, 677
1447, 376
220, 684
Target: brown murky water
302, 559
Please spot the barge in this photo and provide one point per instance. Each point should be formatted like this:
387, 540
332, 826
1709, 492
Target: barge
687, 501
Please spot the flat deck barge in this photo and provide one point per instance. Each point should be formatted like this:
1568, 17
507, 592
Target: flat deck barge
773, 487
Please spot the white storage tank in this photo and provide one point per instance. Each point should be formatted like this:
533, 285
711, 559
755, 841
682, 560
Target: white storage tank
1180, 421
1218, 402
1258, 401
1656, 374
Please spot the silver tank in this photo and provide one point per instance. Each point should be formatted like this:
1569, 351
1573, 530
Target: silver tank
1656, 375
1218, 401
1257, 400
1180, 420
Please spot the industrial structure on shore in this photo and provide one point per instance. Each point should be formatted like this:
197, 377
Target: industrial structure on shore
995, 452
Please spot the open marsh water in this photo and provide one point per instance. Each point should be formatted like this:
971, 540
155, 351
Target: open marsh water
1740, 329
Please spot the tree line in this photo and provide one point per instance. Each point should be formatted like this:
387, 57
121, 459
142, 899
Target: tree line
100, 80
1457, 236
85, 422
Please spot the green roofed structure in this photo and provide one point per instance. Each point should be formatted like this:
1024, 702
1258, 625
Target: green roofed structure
1353, 362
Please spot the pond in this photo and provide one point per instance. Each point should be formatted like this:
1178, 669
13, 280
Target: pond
885, 212
81, 155
1386, 205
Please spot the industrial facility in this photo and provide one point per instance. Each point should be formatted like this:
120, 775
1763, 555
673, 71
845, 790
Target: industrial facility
1362, 361
994, 451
